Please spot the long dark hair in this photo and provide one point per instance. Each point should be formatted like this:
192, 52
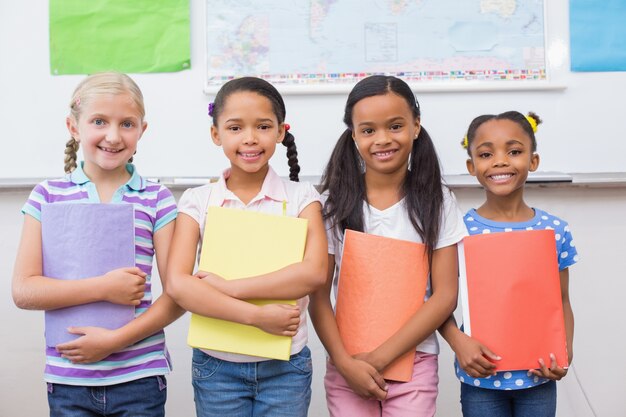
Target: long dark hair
344, 181
267, 90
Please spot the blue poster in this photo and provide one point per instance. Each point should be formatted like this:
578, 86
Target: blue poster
598, 35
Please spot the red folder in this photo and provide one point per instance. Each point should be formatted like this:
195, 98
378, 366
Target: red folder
511, 293
382, 282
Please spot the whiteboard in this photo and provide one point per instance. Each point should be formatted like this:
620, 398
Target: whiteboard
583, 130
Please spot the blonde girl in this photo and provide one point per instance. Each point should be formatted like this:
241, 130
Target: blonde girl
104, 372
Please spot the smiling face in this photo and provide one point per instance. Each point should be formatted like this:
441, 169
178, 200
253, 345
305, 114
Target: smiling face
108, 129
248, 130
501, 157
384, 129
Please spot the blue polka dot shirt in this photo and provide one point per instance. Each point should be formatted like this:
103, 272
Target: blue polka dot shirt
566, 250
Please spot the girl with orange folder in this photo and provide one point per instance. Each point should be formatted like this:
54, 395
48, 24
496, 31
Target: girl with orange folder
248, 122
384, 178
501, 151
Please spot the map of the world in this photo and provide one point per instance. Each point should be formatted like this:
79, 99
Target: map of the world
319, 42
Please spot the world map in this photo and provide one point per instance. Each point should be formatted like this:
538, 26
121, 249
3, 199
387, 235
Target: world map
316, 42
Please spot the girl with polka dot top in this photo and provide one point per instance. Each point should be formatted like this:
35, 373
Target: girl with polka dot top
502, 151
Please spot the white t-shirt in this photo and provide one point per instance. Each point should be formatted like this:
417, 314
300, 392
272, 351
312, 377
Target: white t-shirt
394, 222
274, 191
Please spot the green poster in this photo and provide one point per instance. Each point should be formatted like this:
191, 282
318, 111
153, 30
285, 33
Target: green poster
119, 35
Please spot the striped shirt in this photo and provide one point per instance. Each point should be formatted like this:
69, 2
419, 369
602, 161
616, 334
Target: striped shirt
154, 208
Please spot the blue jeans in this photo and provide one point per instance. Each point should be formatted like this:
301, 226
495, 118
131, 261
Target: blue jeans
143, 397
252, 389
539, 401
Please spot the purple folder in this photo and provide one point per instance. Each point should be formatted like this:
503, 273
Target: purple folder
80, 241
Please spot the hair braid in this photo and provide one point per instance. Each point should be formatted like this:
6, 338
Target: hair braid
292, 156
71, 148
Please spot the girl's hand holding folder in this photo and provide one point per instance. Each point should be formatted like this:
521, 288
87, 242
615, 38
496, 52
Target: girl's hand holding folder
215, 281
124, 286
474, 357
363, 378
278, 319
554, 372
95, 344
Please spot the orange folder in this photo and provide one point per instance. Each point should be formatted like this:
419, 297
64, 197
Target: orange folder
382, 282
511, 292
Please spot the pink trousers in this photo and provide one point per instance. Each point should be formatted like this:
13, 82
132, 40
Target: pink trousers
416, 398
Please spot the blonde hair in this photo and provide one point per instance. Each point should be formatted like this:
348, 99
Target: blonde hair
104, 83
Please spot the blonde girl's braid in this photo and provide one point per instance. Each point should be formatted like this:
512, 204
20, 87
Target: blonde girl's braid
71, 148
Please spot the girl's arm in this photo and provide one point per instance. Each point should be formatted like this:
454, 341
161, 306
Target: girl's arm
98, 343
293, 281
361, 376
32, 291
429, 317
474, 357
555, 372
200, 297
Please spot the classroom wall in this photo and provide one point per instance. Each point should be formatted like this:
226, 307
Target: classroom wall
585, 116
583, 132
598, 224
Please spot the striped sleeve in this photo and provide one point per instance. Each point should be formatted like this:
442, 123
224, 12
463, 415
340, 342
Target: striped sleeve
165, 209
38, 196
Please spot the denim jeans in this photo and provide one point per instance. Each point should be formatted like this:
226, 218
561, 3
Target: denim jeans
539, 401
143, 397
270, 388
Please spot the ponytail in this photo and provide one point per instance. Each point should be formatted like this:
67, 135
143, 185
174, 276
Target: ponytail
343, 180
71, 148
424, 179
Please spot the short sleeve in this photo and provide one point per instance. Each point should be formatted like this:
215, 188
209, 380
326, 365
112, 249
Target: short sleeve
452, 226
192, 205
307, 194
166, 208
38, 196
568, 255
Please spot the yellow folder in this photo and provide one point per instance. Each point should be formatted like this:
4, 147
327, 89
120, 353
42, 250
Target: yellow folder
239, 244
